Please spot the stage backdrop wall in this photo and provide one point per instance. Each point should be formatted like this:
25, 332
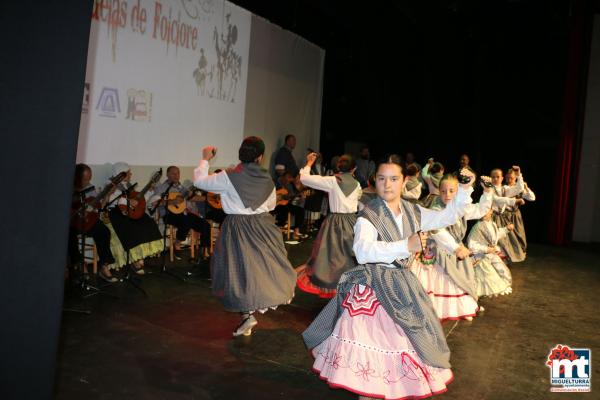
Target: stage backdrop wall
165, 78
586, 227
284, 88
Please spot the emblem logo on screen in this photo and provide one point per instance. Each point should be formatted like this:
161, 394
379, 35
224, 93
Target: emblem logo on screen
570, 369
85, 105
108, 103
139, 105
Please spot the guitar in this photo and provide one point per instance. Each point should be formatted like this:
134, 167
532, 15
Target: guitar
214, 200
84, 218
137, 211
186, 196
302, 193
283, 197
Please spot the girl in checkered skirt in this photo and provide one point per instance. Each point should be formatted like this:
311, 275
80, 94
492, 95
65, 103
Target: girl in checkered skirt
380, 336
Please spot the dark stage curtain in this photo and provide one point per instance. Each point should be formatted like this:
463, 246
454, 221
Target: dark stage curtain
42, 74
567, 167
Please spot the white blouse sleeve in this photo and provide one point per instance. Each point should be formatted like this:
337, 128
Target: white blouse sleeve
444, 239
324, 183
504, 201
216, 183
370, 250
476, 211
438, 219
517, 189
528, 194
271, 202
425, 171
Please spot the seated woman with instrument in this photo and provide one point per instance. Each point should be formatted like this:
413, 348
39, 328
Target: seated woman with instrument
136, 235
177, 212
84, 219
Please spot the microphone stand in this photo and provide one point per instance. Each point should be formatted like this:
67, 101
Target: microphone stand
200, 257
124, 192
164, 197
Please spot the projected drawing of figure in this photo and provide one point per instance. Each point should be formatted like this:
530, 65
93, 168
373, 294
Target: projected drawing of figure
228, 61
235, 77
209, 82
200, 73
220, 64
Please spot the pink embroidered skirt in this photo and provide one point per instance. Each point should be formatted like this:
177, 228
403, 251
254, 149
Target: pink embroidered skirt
449, 301
370, 355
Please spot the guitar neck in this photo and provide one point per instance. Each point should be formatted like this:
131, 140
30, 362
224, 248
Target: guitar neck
142, 193
104, 193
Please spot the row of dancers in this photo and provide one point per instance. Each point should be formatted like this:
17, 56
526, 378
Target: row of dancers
393, 272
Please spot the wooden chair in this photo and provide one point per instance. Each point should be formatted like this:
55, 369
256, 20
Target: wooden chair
287, 229
310, 217
171, 237
215, 229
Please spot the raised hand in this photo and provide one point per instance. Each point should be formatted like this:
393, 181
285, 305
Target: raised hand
467, 172
417, 242
486, 179
208, 153
311, 158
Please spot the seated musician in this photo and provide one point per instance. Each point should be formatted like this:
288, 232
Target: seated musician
133, 239
287, 194
214, 209
178, 212
99, 232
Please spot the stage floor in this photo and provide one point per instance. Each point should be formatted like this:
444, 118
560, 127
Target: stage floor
176, 343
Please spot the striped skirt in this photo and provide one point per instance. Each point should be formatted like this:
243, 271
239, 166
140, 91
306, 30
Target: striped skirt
250, 270
331, 256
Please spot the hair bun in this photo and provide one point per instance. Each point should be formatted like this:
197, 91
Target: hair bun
252, 147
